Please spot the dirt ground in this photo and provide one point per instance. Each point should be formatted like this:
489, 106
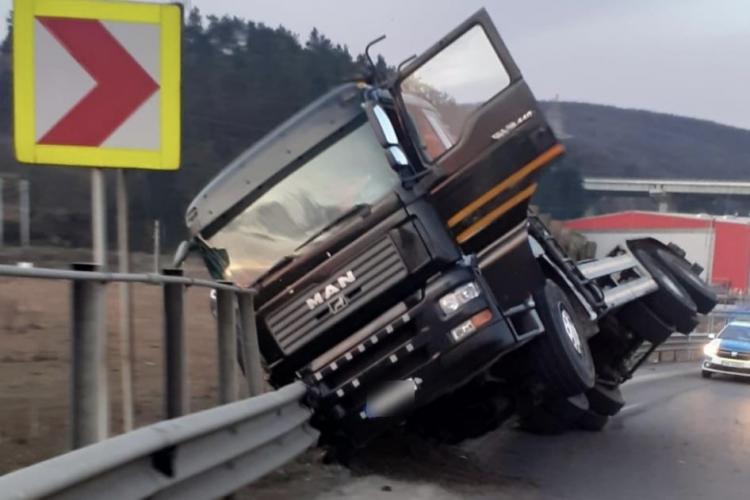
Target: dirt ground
35, 357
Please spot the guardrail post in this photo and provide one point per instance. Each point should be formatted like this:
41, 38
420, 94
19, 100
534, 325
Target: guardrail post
24, 211
227, 330
157, 246
177, 402
2, 215
249, 343
89, 403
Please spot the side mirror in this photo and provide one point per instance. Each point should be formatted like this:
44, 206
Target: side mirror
182, 252
384, 130
711, 336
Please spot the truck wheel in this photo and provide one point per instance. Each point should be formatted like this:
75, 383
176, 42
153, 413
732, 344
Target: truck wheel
562, 356
702, 294
592, 421
605, 400
554, 415
645, 323
670, 302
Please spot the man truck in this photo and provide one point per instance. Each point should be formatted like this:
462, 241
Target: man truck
400, 275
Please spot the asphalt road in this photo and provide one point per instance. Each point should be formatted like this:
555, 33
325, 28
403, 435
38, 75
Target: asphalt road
679, 437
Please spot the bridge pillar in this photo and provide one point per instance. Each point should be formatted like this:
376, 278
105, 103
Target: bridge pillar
664, 201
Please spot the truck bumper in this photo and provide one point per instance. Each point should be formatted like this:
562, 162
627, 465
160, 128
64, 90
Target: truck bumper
413, 346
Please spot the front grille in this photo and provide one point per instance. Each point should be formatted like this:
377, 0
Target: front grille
729, 369
392, 352
294, 324
741, 356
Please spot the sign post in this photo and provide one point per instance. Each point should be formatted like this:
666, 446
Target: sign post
99, 217
97, 84
127, 347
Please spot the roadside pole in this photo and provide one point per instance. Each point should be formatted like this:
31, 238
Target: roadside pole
157, 247
91, 329
227, 348
89, 395
24, 206
99, 217
2, 216
127, 344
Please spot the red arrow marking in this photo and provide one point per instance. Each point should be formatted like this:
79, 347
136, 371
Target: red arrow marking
122, 85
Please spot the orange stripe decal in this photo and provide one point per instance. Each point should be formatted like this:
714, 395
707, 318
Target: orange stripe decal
507, 183
495, 214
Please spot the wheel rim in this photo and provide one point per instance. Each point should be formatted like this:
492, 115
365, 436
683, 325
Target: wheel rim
571, 331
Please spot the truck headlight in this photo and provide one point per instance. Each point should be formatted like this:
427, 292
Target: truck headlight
711, 349
452, 302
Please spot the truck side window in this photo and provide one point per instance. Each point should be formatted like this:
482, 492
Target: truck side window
441, 94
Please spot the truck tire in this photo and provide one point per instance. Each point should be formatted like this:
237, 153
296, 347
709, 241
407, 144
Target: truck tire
592, 421
554, 415
645, 323
704, 297
670, 302
561, 355
605, 400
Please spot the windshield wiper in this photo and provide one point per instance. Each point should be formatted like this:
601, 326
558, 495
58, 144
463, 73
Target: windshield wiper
356, 210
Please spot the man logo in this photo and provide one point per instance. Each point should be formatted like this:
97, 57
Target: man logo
331, 290
337, 304
734, 354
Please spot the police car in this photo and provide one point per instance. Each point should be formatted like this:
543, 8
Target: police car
729, 351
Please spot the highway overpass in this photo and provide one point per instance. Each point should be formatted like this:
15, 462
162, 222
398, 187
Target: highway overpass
664, 190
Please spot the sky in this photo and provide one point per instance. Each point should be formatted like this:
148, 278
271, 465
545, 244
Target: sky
685, 57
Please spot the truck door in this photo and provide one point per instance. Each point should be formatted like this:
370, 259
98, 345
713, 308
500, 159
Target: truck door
474, 122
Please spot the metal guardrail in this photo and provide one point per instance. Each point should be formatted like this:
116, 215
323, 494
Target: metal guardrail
680, 343
89, 391
208, 454
89, 272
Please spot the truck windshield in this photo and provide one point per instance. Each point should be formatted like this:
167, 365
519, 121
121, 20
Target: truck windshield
353, 172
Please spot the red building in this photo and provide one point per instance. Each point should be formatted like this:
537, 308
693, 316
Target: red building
720, 244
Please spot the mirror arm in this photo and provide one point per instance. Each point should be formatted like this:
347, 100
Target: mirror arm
373, 67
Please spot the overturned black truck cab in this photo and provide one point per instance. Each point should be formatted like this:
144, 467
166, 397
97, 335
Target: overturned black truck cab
386, 229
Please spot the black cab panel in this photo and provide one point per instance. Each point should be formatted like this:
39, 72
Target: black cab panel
475, 121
